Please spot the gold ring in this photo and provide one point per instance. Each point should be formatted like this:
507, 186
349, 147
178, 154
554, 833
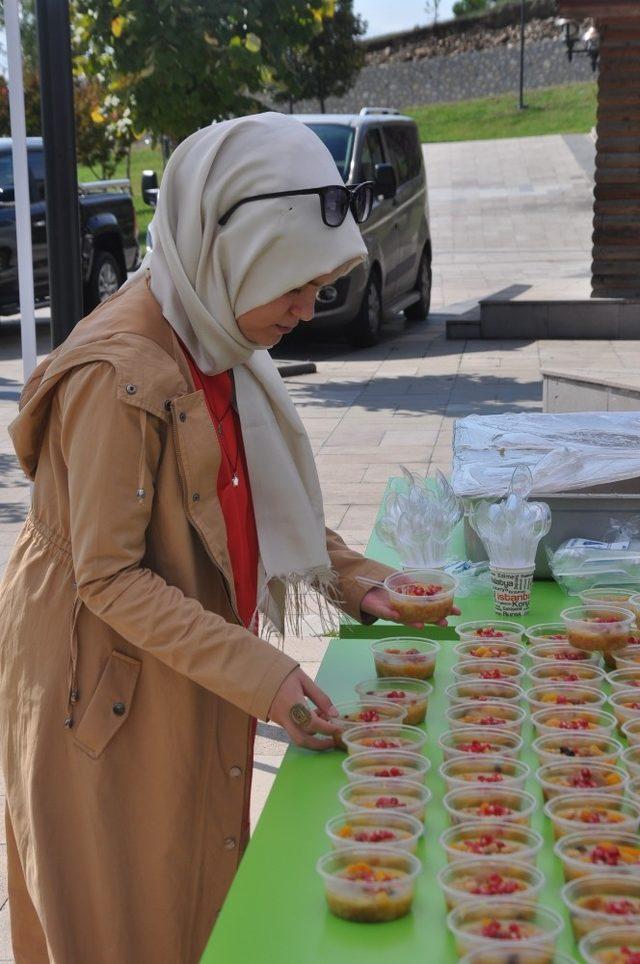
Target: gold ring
300, 715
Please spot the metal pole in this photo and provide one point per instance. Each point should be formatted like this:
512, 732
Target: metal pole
521, 103
21, 189
61, 179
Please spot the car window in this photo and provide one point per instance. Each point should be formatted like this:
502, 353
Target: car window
372, 154
339, 139
6, 170
403, 145
36, 169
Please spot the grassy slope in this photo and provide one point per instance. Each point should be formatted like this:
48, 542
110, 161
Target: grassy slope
552, 110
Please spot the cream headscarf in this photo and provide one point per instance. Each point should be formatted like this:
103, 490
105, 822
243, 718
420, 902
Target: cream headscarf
204, 276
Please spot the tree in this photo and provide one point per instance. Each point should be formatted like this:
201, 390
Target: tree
463, 8
432, 7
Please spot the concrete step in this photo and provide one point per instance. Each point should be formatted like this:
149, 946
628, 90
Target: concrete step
595, 390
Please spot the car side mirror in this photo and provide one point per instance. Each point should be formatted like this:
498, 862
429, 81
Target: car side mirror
7, 195
385, 183
149, 186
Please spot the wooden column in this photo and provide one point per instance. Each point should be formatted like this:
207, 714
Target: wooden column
616, 222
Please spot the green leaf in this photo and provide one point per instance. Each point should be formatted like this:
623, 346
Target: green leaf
252, 43
235, 41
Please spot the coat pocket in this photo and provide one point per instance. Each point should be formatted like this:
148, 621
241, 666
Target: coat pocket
110, 704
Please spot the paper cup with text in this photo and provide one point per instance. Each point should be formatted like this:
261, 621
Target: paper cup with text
511, 590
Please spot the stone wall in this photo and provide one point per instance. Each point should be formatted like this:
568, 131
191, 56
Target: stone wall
477, 73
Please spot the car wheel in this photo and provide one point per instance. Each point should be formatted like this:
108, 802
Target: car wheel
105, 279
419, 310
364, 330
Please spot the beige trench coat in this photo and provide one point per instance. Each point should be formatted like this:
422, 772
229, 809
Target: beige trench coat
125, 828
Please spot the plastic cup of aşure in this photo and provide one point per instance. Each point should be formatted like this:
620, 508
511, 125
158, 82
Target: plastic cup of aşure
484, 691
421, 595
385, 736
363, 711
625, 705
544, 695
527, 954
382, 828
479, 741
405, 656
473, 923
483, 650
590, 812
355, 899
489, 804
489, 880
598, 627
586, 853
573, 720
543, 633
579, 748
570, 777
484, 771
490, 631
501, 842
631, 730
390, 764
630, 758
559, 652
633, 790
566, 674
628, 657
491, 670
587, 899
403, 796
410, 693
477, 715
624, 679
607, 944
609, 595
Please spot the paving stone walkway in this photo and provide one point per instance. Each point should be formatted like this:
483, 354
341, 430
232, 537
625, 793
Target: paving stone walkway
502, 212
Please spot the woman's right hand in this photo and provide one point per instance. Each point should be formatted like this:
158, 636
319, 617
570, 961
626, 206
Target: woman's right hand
299, 688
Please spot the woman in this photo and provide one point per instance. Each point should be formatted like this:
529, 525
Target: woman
175, 498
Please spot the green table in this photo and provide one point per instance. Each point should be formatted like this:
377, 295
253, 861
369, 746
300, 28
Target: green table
275, 912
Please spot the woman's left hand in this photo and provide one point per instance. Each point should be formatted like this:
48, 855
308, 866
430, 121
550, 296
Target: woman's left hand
376, 603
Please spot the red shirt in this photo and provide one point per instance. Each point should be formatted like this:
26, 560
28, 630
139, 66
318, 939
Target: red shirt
235, 500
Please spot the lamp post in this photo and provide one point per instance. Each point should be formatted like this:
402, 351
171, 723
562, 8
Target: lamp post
521, 103
588, 44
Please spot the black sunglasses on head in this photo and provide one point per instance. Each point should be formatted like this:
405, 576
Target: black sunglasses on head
335, 202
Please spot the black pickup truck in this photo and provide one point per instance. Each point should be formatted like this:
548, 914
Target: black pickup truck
108, 230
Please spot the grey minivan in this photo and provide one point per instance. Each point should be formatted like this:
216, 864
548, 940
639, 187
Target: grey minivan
382, 146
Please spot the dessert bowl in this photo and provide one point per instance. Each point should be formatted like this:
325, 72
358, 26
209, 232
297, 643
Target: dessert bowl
602, 900
498, 842
527, 954
405, 657
589, 812
481, 741
598, 627
385, 736
489, 879
625, 679
566, 673
503, 925
582, 748
554, 694
484, 771
630, 759
582, 854
500, 631
560, 652
403, 796
369, 884
625, 705
484, 691
382, 828
546, 633
631, 730
490, 650
491, 670
357, 712
569, 777
421, 595
478, 715
410, 693
489, 804
612, 945
579, 720
386, 764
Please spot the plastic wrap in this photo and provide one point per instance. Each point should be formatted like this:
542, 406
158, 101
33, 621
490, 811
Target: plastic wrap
614, 560
566, 452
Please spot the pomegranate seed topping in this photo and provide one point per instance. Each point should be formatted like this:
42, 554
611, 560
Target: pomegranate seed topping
631, 957
374, 836
389, 772
491, 674
369, 716
395, 695
496, 930
604, 619
490, 778
579, 724
492, 810
488, 632
491, 721
475, 747
605, 854
621, 906
584, 779
495, 884
389, 802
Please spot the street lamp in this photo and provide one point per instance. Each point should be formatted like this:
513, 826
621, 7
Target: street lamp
588, 43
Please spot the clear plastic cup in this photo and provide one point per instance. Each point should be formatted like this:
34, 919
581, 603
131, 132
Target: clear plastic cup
411, 694
389, 764
569, 777
355, 899
489, 649
481, 741
421, 595
473, 923
358, 712
489, 880
485, 772
591, 901
501, 842
625, 705
490, 631
598, 627
630, 758
527, 954
633, 603
566, 674
544, 633
633, 790
560, 652
606, 943
484, 691
380, 828
491, 670
584, 854
385, 736
592, 813
580, 720
609, 595
583, 749
552, 694
624, 679
628, 657
477, 715
405, 656
491, 805
399, 796
631, 730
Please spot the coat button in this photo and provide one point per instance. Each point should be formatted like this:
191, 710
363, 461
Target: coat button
182, 416
167, 405
235, 772
230, 843
131, 389
196, 496
119, 709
